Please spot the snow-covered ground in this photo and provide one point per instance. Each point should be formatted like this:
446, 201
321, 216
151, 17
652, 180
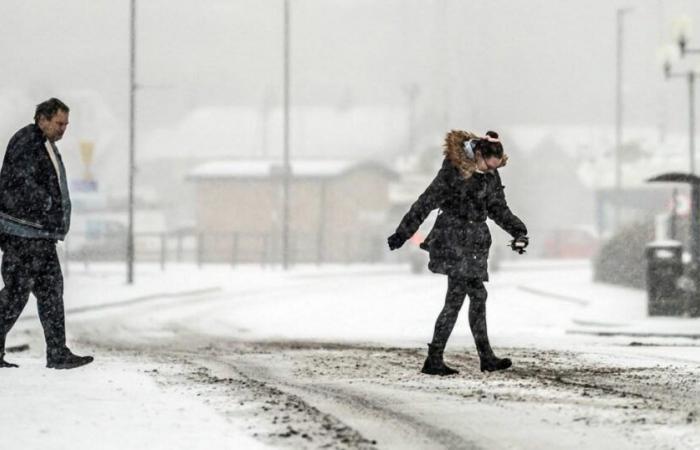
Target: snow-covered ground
246, 357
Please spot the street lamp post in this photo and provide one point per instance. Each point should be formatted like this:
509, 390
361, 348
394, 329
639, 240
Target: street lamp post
689, 76
132, 93
286, 171
618, 113
682, 32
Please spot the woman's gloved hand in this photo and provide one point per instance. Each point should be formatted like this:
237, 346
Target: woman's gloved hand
519, 244
395, 241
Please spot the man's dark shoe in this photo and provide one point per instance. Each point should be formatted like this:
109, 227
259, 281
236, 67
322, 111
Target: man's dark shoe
434, 365
4, 364
493, 364
66, 360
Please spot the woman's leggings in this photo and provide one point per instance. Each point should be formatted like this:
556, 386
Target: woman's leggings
457, 290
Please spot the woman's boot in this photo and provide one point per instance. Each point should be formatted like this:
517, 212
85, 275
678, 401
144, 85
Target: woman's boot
477, 322
434, 365
5, 364
494, 363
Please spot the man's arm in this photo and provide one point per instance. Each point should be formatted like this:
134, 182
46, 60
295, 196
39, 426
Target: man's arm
22, 174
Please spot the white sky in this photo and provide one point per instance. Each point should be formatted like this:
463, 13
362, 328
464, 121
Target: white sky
543, 61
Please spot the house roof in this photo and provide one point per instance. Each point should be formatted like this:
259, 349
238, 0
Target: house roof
218, 132
228, 169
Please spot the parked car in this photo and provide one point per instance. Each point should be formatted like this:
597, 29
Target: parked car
573, 243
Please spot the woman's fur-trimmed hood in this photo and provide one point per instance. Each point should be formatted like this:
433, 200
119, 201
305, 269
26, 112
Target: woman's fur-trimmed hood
453, 149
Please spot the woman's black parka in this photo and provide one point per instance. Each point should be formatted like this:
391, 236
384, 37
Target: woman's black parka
460, 239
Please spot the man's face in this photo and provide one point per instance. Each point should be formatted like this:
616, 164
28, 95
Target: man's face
54, 127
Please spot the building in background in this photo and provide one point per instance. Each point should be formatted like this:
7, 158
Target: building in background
338, 210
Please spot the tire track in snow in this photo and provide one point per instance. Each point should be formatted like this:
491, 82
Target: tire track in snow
336, 397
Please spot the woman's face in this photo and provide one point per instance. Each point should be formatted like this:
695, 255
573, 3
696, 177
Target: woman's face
493, 162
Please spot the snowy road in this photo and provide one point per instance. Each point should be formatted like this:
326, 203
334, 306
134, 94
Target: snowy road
330, 359
311, 395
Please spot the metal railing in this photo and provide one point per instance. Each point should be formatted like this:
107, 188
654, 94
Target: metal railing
221, 248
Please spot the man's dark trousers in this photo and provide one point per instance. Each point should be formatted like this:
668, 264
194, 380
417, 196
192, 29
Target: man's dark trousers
32, 266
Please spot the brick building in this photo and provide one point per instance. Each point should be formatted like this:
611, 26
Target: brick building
338, 210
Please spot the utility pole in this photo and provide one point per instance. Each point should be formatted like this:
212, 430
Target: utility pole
286, 170
412, 90
267, 109
691, 118
618, 114
132, 94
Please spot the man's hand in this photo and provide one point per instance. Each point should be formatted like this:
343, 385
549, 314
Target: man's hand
395, 241
519, 244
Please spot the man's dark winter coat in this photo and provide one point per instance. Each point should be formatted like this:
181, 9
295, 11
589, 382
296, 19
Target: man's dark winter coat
31, 204
460, 239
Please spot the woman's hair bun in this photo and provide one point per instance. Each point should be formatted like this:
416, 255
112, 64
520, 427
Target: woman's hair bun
490, 145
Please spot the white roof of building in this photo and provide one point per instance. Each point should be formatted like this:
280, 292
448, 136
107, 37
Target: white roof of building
267, 168
245, 132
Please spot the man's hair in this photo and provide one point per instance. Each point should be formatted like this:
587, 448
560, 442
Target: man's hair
489, 148
49, 108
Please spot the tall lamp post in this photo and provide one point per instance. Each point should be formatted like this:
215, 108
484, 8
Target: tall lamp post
689, 75
132, 92
286, 171
618, 112
682, 33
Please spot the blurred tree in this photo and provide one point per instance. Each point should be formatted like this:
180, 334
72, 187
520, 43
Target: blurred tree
544, 188
621, 260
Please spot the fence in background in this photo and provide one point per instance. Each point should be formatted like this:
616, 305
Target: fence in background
227, 248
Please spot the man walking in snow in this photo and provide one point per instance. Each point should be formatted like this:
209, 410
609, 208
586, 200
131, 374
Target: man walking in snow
35, 212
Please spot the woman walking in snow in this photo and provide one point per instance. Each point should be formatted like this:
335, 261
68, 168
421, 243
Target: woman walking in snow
467, 190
